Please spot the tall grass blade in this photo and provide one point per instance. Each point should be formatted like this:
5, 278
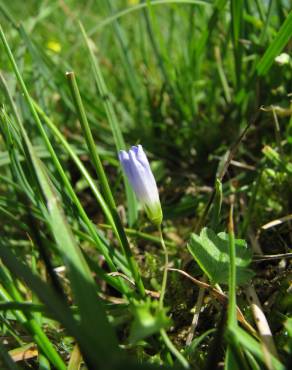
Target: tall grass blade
236, 27
91, 228
280, 41
93, 317
104, 182
126, 57
57, 307
8, 293
113, 121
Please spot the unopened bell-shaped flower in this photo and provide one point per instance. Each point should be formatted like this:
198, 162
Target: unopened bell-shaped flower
138, 171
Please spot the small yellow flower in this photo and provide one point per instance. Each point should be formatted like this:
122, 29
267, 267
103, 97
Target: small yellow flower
55, 46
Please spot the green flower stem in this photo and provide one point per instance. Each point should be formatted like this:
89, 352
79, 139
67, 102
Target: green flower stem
232, 321
163, 333
140, 234
164, 278
233, 345
174, 350
106, 190
85, 173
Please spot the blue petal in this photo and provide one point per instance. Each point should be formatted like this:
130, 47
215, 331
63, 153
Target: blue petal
125, 161
138, 171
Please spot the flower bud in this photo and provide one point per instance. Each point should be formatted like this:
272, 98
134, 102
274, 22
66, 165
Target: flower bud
138, 171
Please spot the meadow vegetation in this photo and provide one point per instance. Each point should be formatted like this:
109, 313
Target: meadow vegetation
205, 88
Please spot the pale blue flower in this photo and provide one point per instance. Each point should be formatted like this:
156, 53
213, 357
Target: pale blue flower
138, 171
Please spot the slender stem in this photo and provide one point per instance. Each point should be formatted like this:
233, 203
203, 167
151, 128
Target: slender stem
106, 190
198, 307
163, 333
233, 347
218, 198
164, 278
232, 322
142, 235
120, 144
115, 128
277, 132
94, 156
174, 350
62, 174
111, 216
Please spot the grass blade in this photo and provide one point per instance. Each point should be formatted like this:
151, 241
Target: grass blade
253, 346
10, 293
126, 57
113, 121
104, 182
97, 242
283, 36
236, 27
93, 317
57, 307
6, 360
231, 320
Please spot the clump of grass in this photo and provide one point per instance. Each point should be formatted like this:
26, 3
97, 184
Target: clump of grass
201, 85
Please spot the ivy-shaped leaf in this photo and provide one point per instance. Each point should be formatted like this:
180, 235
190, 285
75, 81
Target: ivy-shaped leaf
211, 252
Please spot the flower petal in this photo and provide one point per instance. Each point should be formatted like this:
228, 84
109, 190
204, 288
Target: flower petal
139, 179
125, 161
138, 171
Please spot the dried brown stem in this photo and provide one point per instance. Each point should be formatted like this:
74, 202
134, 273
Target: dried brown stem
221, 297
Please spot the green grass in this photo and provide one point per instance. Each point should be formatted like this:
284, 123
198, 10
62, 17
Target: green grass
81, 268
